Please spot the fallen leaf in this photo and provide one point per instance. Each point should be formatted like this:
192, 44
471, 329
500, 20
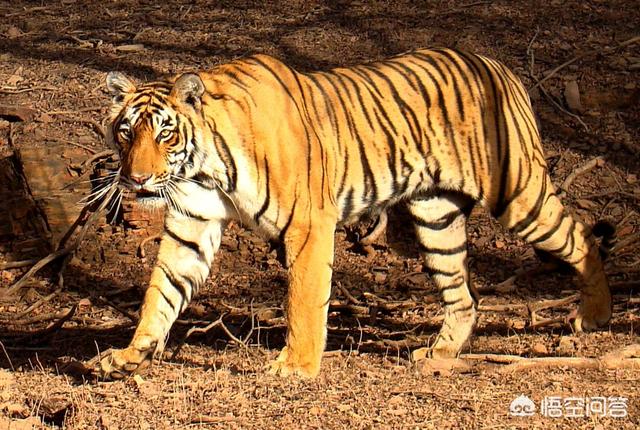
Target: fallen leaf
419, 354
139, 380
572, 96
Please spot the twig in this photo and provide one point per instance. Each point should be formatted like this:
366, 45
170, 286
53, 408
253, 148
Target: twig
8, 90
61, 315
347, 294
493, 358
542, 88
64, 249
58, 324
17, 264
585, 168
627, 357
546, 304
206, 329
37, 304
79, 145
572, 362
143, 243
545, 322
72, 112
562, 109
534, 308
96, 125
459, 8
89, 161
629, 240
580, 56
133, 317
7, 356
514, 307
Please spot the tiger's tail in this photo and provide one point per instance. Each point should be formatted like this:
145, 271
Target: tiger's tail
606, 232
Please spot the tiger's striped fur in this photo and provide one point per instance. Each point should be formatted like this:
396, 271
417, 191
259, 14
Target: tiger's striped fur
296, 154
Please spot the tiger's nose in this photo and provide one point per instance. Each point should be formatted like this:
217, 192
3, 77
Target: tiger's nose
140, 179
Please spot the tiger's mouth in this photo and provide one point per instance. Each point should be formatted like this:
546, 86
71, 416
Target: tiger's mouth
148, 197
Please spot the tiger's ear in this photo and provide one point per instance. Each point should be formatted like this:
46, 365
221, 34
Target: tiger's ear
119, 85
189, 89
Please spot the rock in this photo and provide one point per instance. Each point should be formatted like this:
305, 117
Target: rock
539, 349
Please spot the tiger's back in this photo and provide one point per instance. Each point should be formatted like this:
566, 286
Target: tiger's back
382, 132
296, 154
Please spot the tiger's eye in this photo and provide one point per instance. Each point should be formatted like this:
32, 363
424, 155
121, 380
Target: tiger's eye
164, 134
125, 133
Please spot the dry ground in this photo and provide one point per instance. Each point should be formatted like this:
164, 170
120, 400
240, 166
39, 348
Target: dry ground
59, 52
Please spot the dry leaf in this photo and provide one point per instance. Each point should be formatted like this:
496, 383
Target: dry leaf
419, 354
572, 96
139, 380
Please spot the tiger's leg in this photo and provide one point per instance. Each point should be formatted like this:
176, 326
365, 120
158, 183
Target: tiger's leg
440, 224
182, 266
540, 218
310, 261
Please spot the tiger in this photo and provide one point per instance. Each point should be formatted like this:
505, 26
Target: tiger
295, 155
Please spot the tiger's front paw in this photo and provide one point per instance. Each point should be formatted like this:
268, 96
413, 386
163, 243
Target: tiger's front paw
288, 365
120, 363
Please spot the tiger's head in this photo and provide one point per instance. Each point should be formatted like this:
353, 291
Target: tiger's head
155, 129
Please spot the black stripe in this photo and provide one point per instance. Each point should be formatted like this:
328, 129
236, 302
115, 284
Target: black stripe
348, 205
534, 213
452, 302
229, 163
182, 289
548, 234
184, 242
267, 198
443, 288
276, 76
167, 299
285, 228
451, 251
434, 271
439, 224
466, 308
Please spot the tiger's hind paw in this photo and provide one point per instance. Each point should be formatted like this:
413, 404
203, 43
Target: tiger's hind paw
591, 318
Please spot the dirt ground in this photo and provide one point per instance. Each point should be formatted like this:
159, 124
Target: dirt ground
53, 59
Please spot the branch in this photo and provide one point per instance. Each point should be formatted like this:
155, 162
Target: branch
64, 250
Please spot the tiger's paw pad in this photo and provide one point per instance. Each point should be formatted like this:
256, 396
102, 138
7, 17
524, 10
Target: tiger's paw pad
118, 364
284, 366
286, 370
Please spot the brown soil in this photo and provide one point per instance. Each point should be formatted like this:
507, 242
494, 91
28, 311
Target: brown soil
59, 52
